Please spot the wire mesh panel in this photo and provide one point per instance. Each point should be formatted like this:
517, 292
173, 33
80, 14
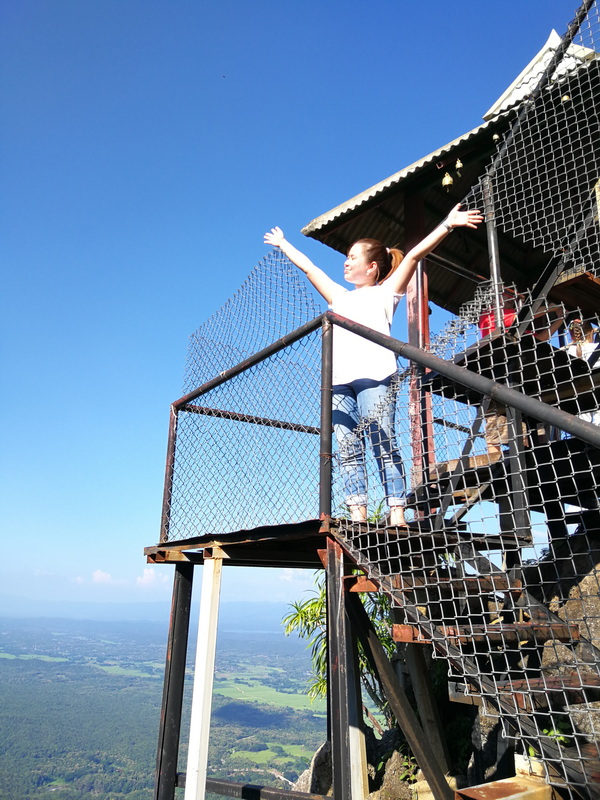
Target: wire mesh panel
247, 450
235, 470
498, 567
271, 302
546, 178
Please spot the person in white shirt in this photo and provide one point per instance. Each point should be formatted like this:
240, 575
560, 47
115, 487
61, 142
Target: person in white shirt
362, 370
584, 345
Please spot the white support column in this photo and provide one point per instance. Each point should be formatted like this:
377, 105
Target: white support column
195, 777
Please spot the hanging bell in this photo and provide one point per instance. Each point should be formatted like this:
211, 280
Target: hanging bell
447, 181
458, 166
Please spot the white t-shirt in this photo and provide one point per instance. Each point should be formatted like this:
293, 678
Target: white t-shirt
353, 356
587, 348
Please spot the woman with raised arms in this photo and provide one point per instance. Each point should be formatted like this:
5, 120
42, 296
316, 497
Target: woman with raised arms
362, 370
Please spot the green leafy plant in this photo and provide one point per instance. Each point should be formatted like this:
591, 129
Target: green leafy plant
308, 620
410, 767
559, 733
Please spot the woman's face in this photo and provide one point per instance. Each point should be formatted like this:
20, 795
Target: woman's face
357, 269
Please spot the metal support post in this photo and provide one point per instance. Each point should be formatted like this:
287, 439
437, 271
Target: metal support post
428, 439
420, 414
170, 720
169, 469
338, 699
428, 710
359, 776
493, 250
204, 670
396, 697
520, 518
417, 314
325, 470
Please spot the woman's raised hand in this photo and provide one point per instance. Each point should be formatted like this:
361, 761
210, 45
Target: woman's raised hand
274, 237
322, 282
468, 219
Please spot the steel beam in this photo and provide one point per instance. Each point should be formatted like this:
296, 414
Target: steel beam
398, 701
339, 694
326, 444
170, 720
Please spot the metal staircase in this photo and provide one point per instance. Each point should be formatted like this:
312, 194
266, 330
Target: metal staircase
503, 622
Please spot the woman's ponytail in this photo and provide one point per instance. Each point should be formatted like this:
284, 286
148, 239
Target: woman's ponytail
387, 258
396, 257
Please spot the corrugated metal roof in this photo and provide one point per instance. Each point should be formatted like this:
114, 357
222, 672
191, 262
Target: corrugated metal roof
514, 94
393, 180
525, 83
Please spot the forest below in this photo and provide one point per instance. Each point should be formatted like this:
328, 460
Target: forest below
80, 709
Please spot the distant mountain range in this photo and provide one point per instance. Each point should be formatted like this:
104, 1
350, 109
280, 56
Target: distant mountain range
239, 616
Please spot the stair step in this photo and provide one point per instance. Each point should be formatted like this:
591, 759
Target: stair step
532, 693
420, 536
444, 468
567, 470
514, 633
586, 516
471, 585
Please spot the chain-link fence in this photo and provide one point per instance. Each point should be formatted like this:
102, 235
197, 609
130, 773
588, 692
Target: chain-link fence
244, 445
498, 566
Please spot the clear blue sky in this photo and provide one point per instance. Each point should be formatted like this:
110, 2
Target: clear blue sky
145, 147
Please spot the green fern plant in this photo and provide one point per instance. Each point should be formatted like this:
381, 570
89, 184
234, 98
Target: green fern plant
308, 620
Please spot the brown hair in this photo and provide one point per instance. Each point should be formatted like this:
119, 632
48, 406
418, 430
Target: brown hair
580, 329
387, 258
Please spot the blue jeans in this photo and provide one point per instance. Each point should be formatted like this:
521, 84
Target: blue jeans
366, 406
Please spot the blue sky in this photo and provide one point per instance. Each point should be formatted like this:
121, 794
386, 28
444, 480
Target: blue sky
146, 146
